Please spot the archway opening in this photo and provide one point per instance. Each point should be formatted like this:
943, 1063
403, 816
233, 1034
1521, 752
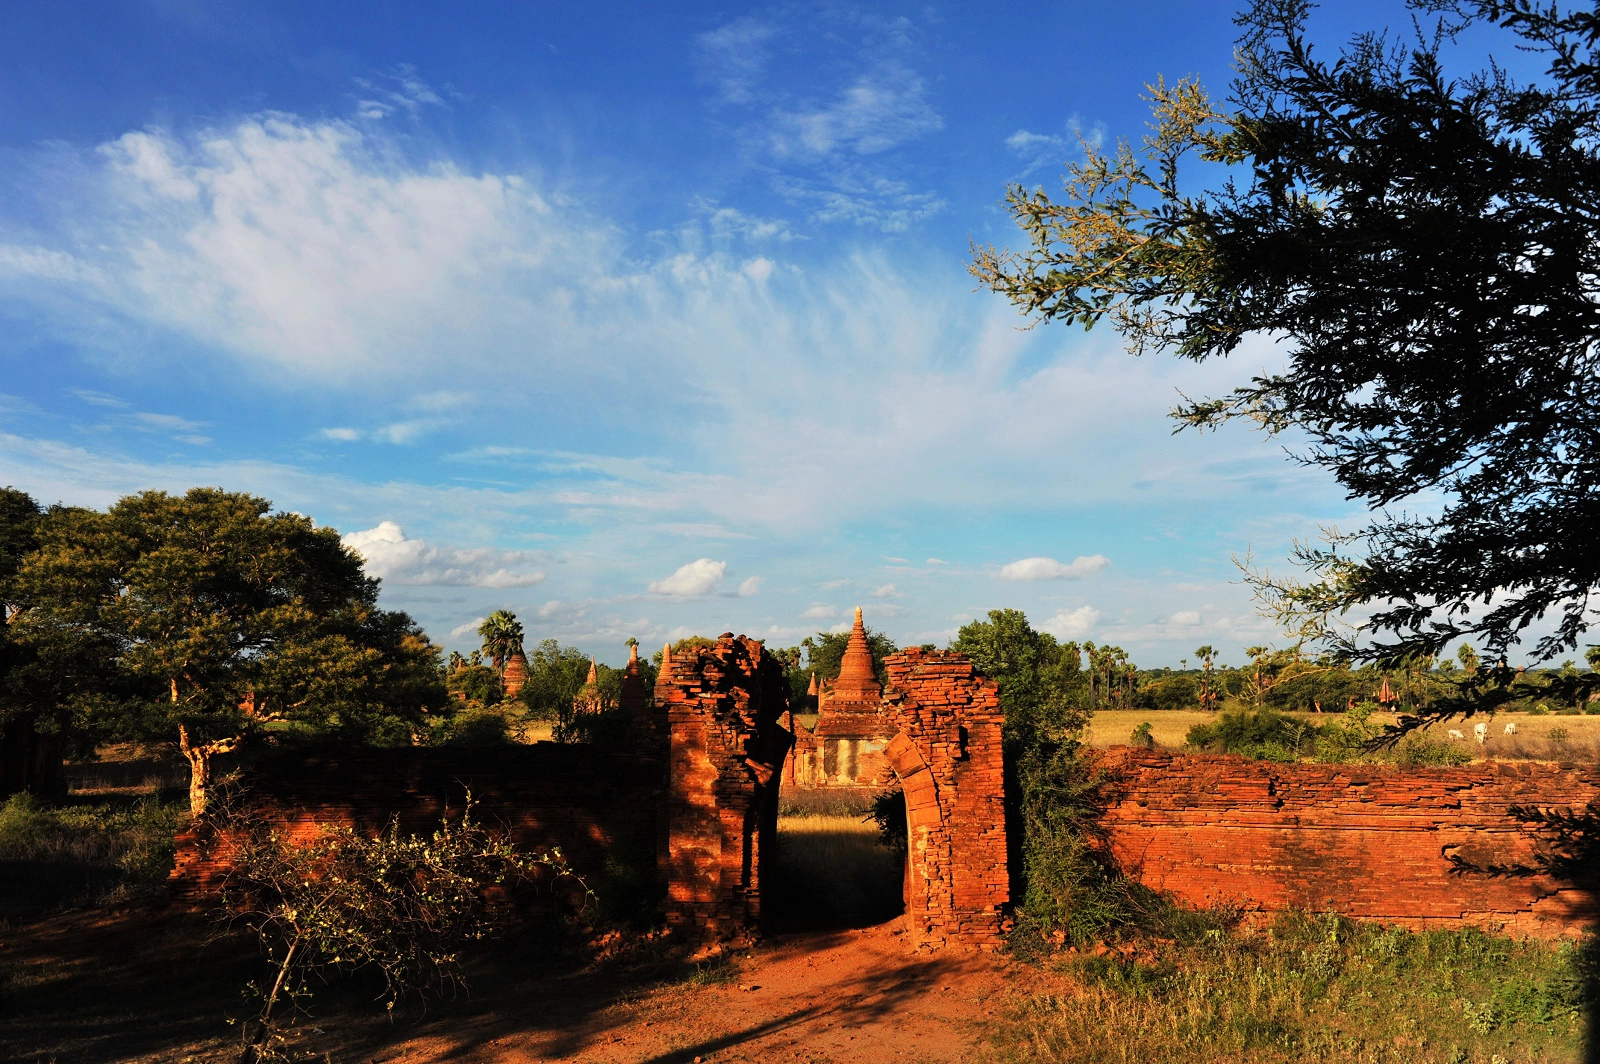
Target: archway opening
831, 868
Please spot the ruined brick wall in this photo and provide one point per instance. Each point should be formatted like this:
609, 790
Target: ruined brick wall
717, 710
593, 803
947, 755
1372, 842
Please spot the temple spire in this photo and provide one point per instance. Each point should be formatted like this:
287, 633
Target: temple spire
858, 681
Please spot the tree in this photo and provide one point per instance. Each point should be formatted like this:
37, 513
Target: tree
1040, 680
213, 614
501, 633
1425, 250
32, 737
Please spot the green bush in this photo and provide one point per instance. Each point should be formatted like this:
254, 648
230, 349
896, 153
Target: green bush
474, 727
1142, 738
1266, 734
83, 853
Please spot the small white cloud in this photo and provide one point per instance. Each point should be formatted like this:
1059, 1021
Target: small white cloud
697, 578
936, 561
1186, 618
1072, 624
551, 608
897, 561
831, 585
391, 556
750, 586
466, 629
758, 270
887, 591
343, 435
820, 613
1050, 569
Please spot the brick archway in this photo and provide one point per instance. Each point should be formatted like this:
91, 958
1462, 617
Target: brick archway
947, 756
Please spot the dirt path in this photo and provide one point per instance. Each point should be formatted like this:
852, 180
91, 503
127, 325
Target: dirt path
835, 996
155, 987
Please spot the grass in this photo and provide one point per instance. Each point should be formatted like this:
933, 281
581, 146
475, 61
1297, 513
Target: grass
1550, 737
831, 871
90, 850
1310, 988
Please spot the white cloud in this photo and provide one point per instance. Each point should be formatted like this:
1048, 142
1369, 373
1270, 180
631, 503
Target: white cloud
699, 577
1186, 618
343, 435
1072, 624
470, 628
881, 109
734, 56
399, 560
936, 561
833, 585
1050, 569
820, 613
750, 586
94, 398
887, 591
551, 608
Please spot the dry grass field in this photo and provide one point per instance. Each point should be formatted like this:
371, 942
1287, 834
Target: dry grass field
1537, 738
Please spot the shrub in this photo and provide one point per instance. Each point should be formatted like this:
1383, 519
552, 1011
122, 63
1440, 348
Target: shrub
1265, 734
1142, 738
474, 727
402, 905
84, 853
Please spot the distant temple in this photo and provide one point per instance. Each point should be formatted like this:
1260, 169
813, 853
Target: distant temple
589, 699
846, 748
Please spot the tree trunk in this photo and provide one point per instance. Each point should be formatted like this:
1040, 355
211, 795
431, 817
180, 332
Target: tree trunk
199, 756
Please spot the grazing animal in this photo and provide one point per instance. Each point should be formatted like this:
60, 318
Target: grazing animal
1480, 732
1455, 733
1511, 727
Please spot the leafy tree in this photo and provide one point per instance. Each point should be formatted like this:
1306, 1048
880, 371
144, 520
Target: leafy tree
33, 729
1040, 680
1208, 693
212, 614
555, 676
1424, 249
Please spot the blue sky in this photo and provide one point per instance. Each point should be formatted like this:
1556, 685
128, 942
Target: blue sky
636, 319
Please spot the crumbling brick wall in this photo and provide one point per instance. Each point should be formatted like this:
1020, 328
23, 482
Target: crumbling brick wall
1371, 842
947, 755
718, 709
595, 804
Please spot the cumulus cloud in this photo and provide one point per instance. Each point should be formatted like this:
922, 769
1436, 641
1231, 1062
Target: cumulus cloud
699, 577
1072, 624
1050, 569
820, 613
887, 591
750, 586
397, 559
1186, 618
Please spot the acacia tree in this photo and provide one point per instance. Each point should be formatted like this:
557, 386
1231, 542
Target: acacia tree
1425, 250
212, 613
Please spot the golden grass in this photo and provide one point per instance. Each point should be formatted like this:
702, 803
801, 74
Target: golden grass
1532, 742
831, 871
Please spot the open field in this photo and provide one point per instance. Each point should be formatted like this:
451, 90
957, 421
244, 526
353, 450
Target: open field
1539, 738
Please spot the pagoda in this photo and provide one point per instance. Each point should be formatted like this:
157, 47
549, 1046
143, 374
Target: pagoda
845, 748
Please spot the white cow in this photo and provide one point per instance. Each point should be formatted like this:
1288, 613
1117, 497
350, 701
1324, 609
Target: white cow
1455, 733
1511, 727
1480, 732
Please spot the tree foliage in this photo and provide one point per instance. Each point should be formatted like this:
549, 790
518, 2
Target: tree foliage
1425, 251
198, 617
825, 653
1040, 680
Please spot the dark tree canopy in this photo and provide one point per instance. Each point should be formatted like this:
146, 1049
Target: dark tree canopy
195, 617
1424, 249
1041, 684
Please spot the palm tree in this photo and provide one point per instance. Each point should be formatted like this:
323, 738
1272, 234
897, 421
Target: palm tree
1207, 695
1258, 657
502, 637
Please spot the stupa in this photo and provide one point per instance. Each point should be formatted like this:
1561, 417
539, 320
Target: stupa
845, 749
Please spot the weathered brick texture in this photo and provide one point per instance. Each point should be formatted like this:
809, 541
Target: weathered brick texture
718, 708
1371, 842
946, 752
